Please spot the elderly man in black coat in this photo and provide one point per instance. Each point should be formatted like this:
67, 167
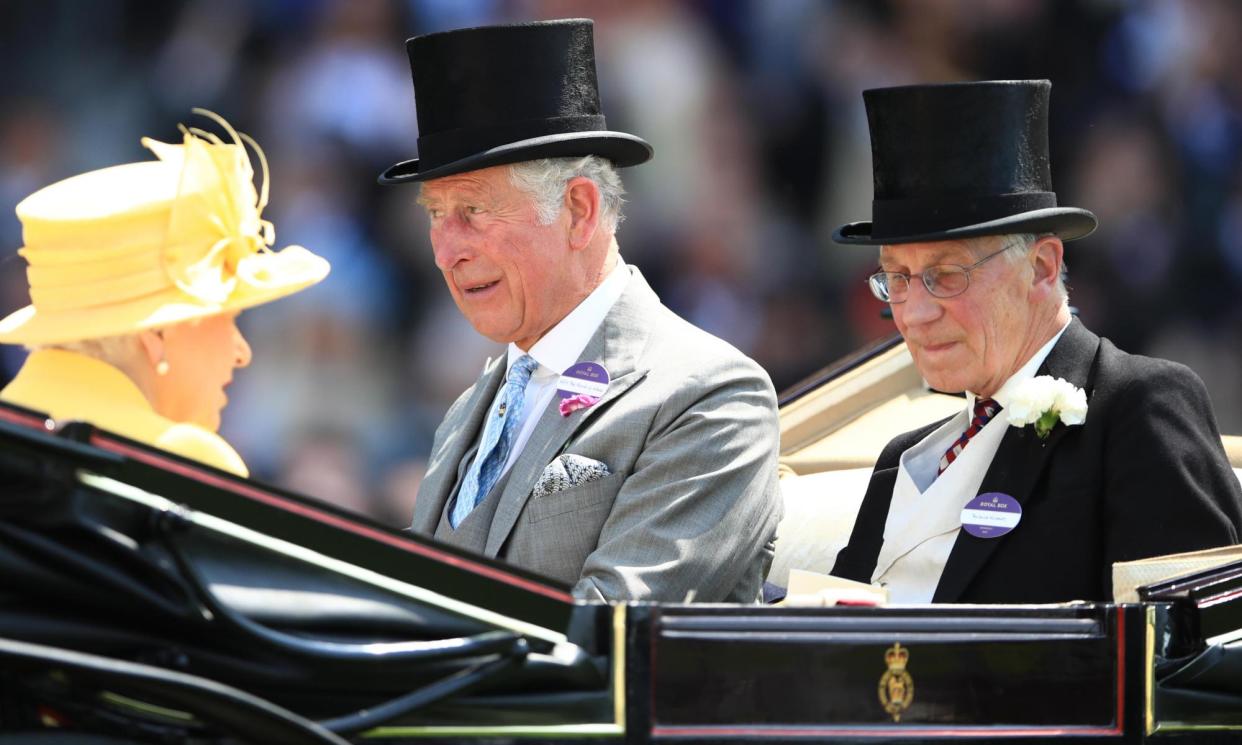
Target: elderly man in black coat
1069, 454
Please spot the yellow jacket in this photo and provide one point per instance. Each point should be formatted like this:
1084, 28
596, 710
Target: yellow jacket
68, 386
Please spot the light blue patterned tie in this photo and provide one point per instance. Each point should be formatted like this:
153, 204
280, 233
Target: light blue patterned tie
498, 434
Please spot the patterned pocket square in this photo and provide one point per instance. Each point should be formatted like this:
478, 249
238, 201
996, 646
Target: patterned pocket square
566, 472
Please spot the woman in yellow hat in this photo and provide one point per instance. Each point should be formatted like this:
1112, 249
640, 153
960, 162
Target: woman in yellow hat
137, 274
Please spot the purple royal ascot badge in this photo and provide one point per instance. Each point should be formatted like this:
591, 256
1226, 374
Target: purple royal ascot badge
991, 515
581, 386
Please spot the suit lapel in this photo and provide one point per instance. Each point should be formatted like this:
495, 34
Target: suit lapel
857, 561
617, 345
1020, 461
462, 430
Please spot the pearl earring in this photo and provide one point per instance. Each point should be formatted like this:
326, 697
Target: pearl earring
161, 368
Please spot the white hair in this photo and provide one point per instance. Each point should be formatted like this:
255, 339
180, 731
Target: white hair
1024, 241
118, 351
544, 181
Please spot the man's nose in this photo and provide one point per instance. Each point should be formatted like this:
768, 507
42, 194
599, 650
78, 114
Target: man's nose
920, 305
449, 242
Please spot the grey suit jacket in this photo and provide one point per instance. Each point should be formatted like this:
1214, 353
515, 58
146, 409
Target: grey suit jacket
688, 429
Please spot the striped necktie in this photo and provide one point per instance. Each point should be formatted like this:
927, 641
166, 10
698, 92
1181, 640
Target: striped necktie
985, 409
499, 433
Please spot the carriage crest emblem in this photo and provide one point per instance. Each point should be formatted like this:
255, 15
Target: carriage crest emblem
896, 687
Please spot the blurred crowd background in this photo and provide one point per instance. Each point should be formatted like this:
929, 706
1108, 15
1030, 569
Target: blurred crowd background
755, 112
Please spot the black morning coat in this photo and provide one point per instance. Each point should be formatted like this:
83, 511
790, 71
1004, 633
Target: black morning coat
1144, 475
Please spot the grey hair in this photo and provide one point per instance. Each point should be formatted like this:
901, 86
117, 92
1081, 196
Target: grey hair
1024, 241
545, 179
118, 351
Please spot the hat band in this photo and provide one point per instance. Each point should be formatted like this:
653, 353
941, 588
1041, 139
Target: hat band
895, 218
205, 276
98, 294
47, 268
440, 148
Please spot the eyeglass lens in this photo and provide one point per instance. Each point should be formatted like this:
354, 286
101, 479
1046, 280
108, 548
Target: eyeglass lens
940, 281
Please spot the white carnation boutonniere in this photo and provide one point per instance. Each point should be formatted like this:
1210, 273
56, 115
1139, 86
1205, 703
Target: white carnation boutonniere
1043, 401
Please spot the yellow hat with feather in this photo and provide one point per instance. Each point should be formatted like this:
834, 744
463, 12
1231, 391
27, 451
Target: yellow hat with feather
150, 244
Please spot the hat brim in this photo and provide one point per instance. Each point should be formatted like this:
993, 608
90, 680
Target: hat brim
622, 149
293, 269
1067, 223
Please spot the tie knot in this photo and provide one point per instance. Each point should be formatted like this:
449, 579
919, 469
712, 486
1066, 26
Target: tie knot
985, 409
521, 371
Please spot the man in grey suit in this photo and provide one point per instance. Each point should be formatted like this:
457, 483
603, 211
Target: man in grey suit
615, 446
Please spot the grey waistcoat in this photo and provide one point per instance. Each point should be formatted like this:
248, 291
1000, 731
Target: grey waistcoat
472, 533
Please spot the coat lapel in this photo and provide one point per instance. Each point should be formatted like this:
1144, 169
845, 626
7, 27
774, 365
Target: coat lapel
857, 561
617, 345
1020, 461
461, 426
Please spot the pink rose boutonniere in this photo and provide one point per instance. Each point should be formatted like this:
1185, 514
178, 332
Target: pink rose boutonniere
580, 401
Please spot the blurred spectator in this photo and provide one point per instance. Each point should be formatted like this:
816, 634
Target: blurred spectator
326, 461
756, 116
29, 160
348, 81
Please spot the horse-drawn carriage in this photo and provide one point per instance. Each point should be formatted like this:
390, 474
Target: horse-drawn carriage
146, 598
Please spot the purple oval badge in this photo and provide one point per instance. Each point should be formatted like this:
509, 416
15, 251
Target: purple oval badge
991, 515
583, 378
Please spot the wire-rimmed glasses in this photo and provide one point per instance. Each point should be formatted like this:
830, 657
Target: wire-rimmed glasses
941, 280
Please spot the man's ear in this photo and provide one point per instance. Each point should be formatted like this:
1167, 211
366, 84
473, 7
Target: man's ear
1047, 259
582, 206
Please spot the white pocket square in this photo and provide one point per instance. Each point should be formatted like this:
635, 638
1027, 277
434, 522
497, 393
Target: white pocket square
566, 472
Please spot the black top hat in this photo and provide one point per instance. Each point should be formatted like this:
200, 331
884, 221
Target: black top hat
961, 160
502, 94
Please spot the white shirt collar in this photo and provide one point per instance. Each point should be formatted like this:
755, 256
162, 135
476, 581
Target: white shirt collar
1024, 373
558, 349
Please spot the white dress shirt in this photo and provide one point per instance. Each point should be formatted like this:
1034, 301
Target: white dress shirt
558, 350
925, 514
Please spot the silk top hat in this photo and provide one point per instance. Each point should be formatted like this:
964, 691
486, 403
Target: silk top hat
961, 160
502, 94
150, 244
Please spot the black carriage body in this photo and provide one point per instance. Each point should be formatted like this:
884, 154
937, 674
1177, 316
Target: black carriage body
146, 598
829, 671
